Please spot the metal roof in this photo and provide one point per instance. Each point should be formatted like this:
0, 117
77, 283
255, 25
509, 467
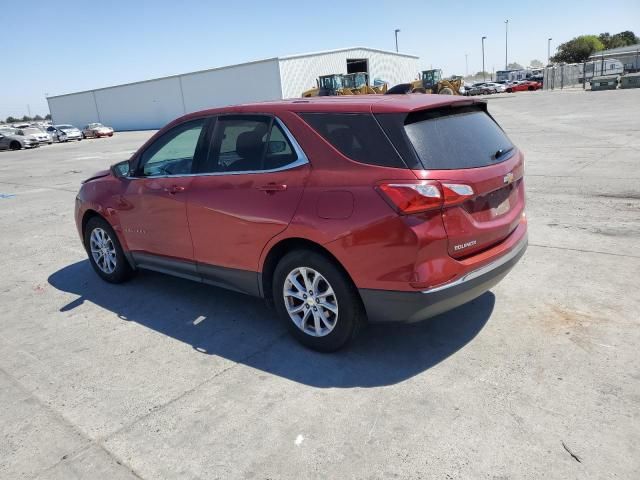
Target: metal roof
628, 50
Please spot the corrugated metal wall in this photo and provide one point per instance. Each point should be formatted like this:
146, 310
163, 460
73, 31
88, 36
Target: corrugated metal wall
299, 73
152, 104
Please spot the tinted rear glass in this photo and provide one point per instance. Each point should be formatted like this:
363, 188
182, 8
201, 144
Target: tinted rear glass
468, 138
357, 136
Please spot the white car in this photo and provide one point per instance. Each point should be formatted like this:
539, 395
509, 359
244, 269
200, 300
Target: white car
495, 87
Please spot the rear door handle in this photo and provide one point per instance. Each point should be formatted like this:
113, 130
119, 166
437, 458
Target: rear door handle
273, 187
173, 189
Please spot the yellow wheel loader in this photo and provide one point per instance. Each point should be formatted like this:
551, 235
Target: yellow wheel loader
344, 84
430, 82
329, 85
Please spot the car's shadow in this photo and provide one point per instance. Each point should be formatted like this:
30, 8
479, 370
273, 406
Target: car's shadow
243, 329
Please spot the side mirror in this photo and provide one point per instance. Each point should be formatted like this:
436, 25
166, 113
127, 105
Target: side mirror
121, 170
277, 146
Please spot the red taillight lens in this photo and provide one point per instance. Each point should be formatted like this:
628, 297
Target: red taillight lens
411, 198
455, 193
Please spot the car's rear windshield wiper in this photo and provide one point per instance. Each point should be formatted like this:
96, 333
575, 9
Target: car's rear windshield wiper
501, 152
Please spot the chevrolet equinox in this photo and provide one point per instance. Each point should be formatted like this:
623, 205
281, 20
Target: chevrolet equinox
337, 210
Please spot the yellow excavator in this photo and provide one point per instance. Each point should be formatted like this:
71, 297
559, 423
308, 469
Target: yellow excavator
344, 84
430, 81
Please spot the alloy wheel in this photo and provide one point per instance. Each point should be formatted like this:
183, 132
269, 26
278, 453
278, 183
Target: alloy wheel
103, 250
310, 301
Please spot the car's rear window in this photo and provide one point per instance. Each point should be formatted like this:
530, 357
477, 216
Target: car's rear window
462, 138
357, 136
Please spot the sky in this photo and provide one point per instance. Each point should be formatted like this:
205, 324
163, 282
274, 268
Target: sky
61, 47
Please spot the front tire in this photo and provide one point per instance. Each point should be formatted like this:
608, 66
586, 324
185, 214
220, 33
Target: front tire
317, 301
105, 253
15, 145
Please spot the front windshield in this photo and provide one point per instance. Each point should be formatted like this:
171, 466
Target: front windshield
65, 127
95, 125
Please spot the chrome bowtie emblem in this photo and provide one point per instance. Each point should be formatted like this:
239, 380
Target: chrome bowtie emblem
508, 178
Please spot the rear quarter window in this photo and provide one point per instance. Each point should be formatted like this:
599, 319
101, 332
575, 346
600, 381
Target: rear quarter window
464, 138
356, 136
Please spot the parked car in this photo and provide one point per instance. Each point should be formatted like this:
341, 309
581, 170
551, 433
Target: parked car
382, 208
484, 88
495, 87
10, 139
64, 133
34, 132
523, 85
96, 130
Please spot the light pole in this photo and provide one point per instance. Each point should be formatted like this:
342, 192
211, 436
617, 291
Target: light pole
396, 32
466, 64
506, 42
483, 74
549, 50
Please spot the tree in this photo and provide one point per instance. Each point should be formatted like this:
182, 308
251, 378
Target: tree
578, 49
536, 63
38, 118
47, 116
621, 39
11, 119
26, 118
514, 66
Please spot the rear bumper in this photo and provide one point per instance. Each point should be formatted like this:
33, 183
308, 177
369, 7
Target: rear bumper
402, 306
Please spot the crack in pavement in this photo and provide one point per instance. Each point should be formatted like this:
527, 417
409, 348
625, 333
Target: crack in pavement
583, 251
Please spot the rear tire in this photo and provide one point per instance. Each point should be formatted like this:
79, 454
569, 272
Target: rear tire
327, 308
446, 91
105, 253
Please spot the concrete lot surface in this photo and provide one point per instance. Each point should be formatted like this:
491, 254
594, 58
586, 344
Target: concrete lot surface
164, 378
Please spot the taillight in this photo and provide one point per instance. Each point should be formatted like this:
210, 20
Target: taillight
410, 198
455, 193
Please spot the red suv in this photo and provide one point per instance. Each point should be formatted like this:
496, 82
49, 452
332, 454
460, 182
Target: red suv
338, 210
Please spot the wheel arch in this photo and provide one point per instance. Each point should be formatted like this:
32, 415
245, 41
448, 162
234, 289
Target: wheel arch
90, 213
280, 249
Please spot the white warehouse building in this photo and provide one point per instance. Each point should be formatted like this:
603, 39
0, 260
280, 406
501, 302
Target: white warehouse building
150, 104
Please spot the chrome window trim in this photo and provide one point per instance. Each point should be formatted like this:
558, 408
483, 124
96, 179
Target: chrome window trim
301, 160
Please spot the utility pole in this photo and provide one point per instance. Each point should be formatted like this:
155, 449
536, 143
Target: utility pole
396, 32
466, 64
549, 50
483, 74
29, 109
506, 42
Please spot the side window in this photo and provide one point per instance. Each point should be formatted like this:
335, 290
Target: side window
247, 143
357, 136
172, 154
279, 150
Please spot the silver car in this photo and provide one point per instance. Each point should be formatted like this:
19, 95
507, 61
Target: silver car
64, 133
35, 132
10, 139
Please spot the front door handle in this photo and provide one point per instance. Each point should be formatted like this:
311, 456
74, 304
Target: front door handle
273, 187
173, 189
